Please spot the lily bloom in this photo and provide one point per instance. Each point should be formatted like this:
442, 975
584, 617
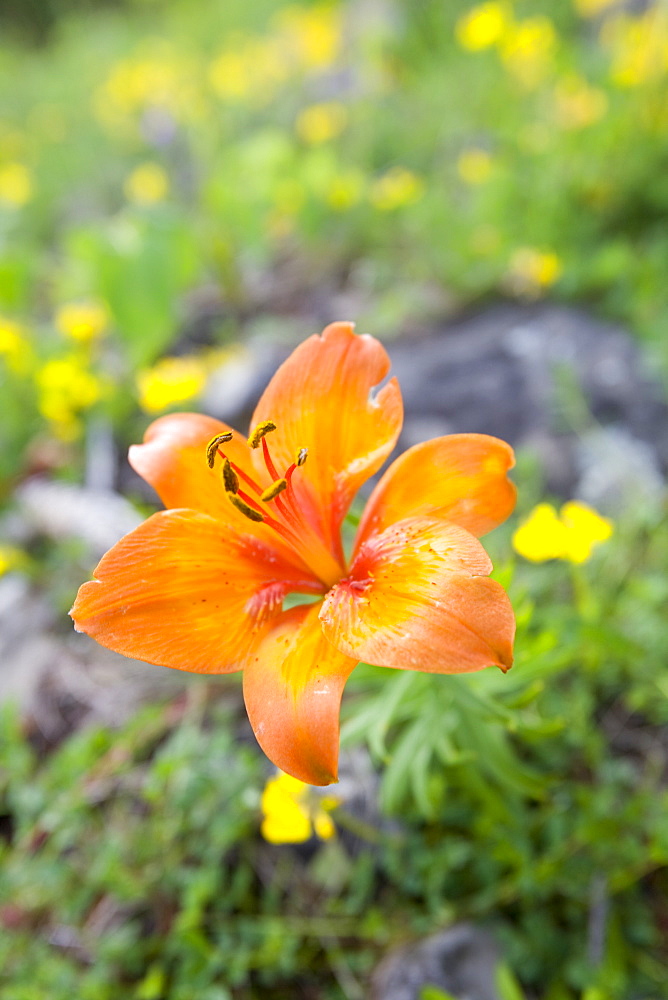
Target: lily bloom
200, 586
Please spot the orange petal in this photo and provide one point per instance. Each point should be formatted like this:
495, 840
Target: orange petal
172, 460
181, 591
292, 686
418, 598
461, 478
321, 399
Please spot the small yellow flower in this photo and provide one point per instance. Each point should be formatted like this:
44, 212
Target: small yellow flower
15, 184
395, 189
292, 812
10, 558
321, 122
82, 321
147, 184
170, 382
66, 388
570, 535
474, 166
528, 48
312, 34
483, 26
639, 47
345, 190
14, 346
533, 271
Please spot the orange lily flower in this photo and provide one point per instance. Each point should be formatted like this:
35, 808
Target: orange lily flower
200, 586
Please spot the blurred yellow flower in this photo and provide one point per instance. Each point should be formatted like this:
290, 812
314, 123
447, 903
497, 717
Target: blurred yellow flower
312, 34
292, 812
10, 558
527, 49
474, 165
157, 77
171, 381
321, 122
14, 347
639, 47
570, 535
66, 387
15, 184
577, 104
533, 271
82, 321
345, 190
396, 188
250, 69
147, 184
483, 26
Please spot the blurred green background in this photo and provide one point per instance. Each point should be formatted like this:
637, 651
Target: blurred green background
178, 176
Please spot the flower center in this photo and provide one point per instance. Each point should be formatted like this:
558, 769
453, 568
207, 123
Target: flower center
287, 518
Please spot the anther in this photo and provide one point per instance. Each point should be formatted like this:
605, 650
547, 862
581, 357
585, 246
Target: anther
212, 447
264, 428
253, 515
273, 490
301, 456
230, 478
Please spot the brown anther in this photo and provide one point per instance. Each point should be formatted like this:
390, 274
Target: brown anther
230, 478
212, 447
256, 436
253, 515
301, 456
273, 490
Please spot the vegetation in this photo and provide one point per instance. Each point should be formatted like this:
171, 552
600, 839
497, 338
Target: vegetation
175, 176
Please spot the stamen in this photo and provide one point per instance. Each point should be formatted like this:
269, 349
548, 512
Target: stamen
273, 490
212, 446
253, 515
230, 478
301, 456
264, 428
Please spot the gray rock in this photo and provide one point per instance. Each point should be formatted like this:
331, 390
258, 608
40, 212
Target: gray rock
461, 961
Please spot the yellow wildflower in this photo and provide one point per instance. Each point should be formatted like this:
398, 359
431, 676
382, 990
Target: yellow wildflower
321, 122
639, 47
474, 165
528, 48
147, 184
569, 535
577, 104
292, 813
345, 190
396, 188
10, 558
312, 34
483, 26
533, 271
14, 347
171, 381
15, 184
82, 321
65, 388
232, 74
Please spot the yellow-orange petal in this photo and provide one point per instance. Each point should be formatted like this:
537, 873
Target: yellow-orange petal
322, 399
172, 460
293, 684
181, 591
460, 477
418, 598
